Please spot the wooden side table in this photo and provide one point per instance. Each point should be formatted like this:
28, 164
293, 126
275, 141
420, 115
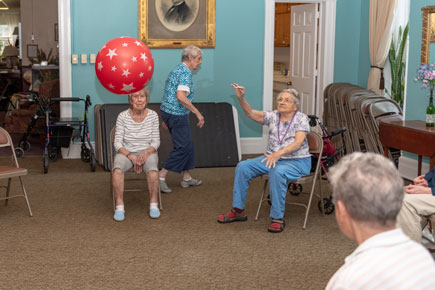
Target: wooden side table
411, 136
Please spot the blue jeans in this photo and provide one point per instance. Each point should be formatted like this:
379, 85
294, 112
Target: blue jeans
285, 171
182, 156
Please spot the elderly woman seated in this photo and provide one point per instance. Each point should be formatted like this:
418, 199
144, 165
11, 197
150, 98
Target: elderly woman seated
418, 205
287, 157
137, 139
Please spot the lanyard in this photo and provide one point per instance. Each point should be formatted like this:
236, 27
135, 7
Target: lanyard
286, 131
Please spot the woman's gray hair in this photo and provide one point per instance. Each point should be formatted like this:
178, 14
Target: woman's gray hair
295, 95
370, 187
147, 92
191, 50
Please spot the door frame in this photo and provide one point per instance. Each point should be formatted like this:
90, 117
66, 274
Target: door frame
325, 58
65, 68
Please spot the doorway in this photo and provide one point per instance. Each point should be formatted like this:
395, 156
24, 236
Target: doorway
326, 44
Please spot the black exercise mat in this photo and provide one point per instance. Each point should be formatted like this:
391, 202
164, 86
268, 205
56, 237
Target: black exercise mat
215, 143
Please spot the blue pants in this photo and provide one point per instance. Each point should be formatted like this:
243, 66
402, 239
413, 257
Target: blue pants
182, 156
285, 171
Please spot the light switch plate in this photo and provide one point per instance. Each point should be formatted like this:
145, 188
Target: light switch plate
74, 59
84, 58
92, 58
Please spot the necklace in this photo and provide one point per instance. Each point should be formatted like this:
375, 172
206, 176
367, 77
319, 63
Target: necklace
286, 131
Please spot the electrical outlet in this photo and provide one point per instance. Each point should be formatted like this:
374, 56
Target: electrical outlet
92, 58
84, 58
75, 59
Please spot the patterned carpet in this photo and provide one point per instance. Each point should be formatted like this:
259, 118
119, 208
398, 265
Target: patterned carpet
72, 242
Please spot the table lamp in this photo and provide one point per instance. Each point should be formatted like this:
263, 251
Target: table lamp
11, 55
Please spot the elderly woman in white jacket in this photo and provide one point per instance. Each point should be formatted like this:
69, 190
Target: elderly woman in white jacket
137, 139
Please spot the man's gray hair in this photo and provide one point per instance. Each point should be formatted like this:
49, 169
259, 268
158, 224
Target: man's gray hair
191, 50
295, 95
370, 187
147, 92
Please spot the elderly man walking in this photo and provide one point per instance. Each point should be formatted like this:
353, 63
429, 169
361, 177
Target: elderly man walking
368, 194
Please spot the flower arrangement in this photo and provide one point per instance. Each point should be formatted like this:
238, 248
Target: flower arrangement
426, 74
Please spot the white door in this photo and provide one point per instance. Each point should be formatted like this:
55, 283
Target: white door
303, 52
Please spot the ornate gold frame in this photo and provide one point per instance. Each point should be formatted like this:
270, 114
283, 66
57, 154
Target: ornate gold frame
425, 37
207, 42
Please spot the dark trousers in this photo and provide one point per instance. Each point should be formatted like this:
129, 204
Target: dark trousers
182, 156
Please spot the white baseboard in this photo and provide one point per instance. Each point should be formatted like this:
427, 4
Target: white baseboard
408, 167
73, 152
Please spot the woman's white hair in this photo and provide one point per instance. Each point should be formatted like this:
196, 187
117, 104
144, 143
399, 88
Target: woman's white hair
295, 95
191, 50
147, 92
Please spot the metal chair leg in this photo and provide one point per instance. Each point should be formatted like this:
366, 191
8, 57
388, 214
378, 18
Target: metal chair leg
7, 191
25, 196
262, 199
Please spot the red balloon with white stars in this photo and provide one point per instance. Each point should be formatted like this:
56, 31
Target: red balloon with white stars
124, 65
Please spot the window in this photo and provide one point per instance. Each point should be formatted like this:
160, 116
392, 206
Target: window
5, 34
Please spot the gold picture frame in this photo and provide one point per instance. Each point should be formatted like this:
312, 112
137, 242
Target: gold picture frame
428, 34
32, 50
164, 25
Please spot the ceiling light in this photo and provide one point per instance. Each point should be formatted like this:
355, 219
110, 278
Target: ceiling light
3, 5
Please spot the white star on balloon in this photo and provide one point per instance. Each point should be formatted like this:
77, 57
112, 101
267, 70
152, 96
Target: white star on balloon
141, 74
133, 59
113, 68
137, 43
112, 52
111, 86
128, 87
143, 56
125, 72
100, 65
150, 68
124, 45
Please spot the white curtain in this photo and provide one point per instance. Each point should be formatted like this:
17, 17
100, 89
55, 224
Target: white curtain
380, 27
11, 20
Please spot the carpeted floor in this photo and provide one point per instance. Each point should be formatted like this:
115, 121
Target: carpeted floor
72, 242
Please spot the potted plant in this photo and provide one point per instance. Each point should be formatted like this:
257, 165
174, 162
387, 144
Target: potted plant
397, 66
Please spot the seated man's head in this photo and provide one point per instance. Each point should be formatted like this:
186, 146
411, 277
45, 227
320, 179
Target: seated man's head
367, 190
27, 76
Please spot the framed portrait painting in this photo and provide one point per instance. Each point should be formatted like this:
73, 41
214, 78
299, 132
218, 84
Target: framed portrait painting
177, 23
32, 50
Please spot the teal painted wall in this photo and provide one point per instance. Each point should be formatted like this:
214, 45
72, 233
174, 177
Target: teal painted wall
347, 34
364, 52
417, 98
237, 56
351, 61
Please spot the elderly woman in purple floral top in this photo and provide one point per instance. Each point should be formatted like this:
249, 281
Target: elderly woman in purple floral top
287, 157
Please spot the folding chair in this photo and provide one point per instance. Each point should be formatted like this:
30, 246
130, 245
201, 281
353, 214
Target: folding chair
315, 142
14, 170
136, 178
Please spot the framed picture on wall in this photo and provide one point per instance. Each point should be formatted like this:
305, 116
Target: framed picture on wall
32, 50
177, 23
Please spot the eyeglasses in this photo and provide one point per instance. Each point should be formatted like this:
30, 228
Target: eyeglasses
286, 101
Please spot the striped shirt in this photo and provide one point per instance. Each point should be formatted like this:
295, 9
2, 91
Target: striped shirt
137, 137
389, 260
